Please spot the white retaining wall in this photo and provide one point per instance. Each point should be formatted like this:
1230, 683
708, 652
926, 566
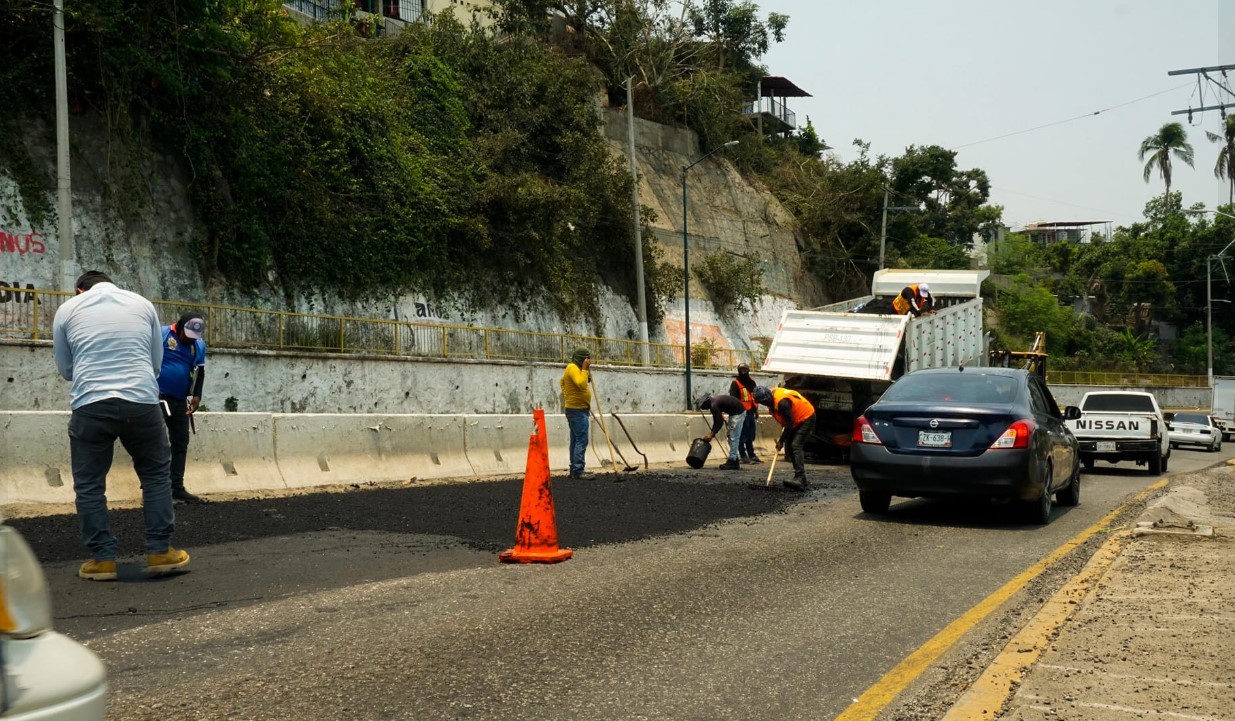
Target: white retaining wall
269, 382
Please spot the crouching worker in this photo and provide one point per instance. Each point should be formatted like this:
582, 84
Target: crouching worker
721, 406
796, 417
914, 299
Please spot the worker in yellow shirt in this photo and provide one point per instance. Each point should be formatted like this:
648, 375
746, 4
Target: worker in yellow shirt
577, 400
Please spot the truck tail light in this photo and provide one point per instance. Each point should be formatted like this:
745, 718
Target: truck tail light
864, 433
1017, 436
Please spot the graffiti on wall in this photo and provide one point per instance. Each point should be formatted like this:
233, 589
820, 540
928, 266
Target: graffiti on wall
10, 292
18, 243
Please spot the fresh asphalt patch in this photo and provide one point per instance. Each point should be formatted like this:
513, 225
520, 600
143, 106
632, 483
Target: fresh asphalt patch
480, 514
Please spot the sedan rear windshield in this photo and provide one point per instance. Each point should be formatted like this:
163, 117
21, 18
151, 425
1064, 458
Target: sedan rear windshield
1119, 403
1192, 418
956, 388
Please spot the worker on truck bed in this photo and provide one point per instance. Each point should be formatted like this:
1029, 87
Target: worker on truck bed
915, 299
796, 417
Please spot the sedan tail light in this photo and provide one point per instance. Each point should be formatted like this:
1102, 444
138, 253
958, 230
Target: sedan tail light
1017, 436
864, 433
25, 602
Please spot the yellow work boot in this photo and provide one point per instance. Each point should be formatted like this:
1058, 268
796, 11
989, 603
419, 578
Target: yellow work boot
98, 571
169, 560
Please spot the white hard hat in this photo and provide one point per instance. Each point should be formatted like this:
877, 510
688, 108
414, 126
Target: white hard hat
924, 289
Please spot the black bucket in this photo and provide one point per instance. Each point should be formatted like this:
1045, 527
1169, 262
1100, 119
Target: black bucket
699, 450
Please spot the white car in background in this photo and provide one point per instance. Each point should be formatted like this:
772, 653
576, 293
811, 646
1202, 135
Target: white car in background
44, 676
1195, 429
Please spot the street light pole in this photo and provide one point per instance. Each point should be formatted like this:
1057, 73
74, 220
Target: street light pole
1209, 320
64, 197
686, 263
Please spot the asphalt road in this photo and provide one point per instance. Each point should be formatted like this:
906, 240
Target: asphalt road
690, 596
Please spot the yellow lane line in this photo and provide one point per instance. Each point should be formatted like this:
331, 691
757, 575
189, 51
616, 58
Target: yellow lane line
984, 699
875, 698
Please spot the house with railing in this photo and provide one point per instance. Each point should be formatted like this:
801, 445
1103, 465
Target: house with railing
392, 15
769, 111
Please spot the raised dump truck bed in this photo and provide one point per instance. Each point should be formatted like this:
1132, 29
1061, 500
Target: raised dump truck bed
843, 360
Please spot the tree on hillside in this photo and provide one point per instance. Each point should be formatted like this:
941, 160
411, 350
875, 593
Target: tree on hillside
1171, 139
953, 201
737, 36
1224, 168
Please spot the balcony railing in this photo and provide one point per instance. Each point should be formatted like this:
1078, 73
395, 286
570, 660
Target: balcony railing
772, 108
405, 10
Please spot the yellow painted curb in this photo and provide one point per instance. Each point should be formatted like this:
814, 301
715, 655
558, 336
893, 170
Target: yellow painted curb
985, 698
886, 689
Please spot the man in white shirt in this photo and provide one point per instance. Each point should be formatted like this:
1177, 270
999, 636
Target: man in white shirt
108, 342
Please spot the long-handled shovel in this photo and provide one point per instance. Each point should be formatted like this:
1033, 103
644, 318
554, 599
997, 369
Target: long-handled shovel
601, 419
767, 485
618, 418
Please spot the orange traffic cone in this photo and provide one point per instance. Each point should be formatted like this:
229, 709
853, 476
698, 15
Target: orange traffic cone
536, 534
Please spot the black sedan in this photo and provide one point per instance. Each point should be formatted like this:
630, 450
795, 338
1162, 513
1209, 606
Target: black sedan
984, 432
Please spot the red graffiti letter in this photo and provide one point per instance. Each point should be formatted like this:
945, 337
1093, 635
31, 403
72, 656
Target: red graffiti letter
38, 247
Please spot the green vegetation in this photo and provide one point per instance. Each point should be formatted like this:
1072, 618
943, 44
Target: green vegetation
467, 164
733, 283
1148, 271
1171, 139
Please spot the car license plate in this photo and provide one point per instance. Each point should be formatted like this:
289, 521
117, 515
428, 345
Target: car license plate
935, 439
1107, 446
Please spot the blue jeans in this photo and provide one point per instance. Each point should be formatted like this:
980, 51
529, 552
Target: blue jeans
736, 423
93, 430
578, 422
747, 446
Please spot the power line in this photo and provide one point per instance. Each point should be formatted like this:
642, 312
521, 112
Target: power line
1069, 120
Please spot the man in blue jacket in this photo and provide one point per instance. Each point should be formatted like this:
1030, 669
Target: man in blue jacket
180, 388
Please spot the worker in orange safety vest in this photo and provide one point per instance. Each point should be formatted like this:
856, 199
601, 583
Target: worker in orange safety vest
796, 417
743, 388
915, 299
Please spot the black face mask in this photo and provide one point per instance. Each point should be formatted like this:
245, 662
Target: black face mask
743, 374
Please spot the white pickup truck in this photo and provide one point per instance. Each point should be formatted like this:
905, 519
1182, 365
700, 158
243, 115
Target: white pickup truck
1122, 426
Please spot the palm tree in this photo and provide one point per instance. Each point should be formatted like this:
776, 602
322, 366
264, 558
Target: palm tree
1225, 167
1171, 139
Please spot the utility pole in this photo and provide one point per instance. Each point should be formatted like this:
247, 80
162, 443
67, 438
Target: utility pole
1221, 83
638, 223
64, 197
883, 228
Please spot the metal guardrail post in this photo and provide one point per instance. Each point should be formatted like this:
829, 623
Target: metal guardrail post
487, 356
34, 321
445, 351
398, 345
341, 347
281, 317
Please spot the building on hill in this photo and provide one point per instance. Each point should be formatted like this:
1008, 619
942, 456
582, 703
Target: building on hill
1082, 231
770, 114
393, 14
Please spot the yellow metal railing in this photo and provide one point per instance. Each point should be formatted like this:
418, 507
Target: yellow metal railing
1135, 380
29, 316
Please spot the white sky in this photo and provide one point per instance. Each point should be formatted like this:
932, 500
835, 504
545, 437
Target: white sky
951, 72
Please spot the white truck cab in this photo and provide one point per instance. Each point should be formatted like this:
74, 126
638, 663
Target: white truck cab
1122, 426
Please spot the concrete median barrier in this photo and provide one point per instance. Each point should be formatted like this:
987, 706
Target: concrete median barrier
232, 452
34, 457
497, 444
315, 449
245, 452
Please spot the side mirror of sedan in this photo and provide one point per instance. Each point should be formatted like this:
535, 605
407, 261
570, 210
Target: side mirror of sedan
1071, 413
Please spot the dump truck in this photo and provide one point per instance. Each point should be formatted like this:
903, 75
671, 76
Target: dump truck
843, 359
1223, 405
